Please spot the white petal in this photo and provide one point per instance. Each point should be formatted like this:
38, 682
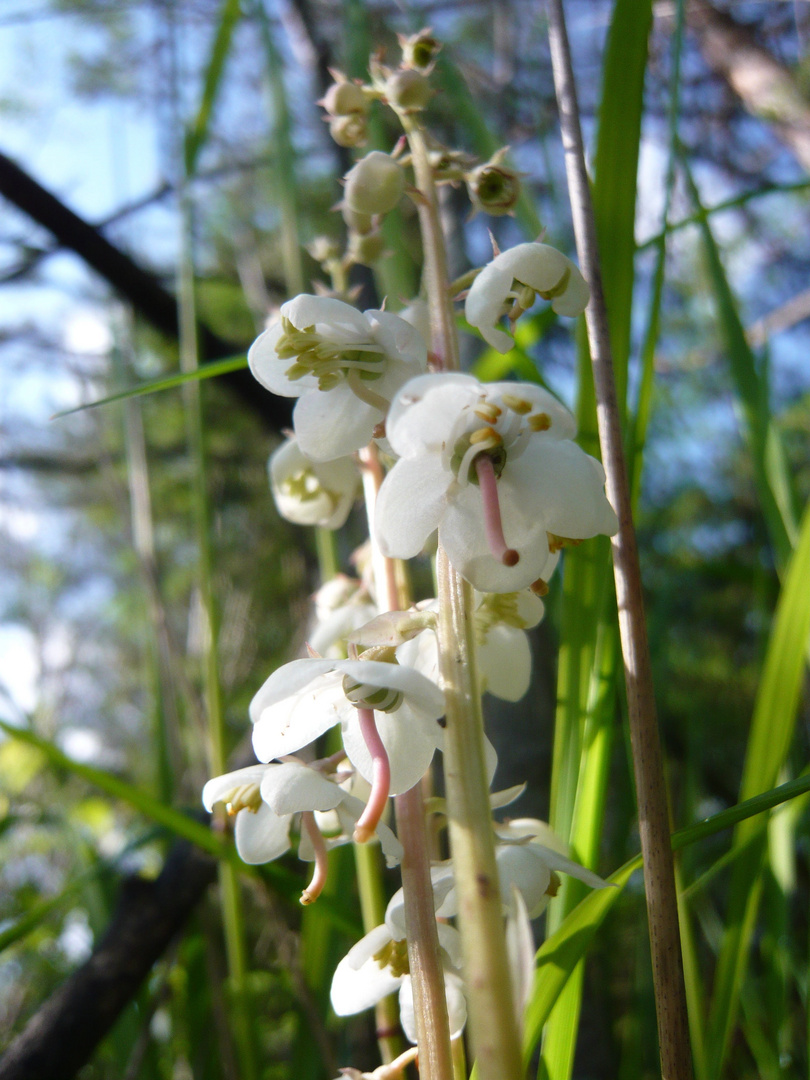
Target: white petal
296, 705
456, 1007
261, 837
424, 411
461, 532
485, 302
289, 788
520, 946
399, 338
522, 867
333, 423
422, 695
563, 423
359, 982
505, 660
559, 863
391, 847
270, 369
410, 504
221, 787
559, 481
409, 741
331, 487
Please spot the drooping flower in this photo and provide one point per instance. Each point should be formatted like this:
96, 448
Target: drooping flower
494, 468
264, 800
344, 366
504, 660
518, 275
378, 965
312, 492
342, 605
388, 716
525, 864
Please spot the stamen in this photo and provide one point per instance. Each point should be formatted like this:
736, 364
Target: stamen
539, 421
361, 390
315, 887
516, 404
492, 513
380, 778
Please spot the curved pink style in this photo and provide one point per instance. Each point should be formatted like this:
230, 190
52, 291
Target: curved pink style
492, 512
380, 778
315, 887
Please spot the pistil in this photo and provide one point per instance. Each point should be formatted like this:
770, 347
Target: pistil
492, 512
380, 778
315, 887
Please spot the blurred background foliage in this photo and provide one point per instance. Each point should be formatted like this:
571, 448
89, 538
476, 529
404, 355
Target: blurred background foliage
186, 131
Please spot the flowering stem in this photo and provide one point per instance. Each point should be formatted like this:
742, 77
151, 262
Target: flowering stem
315, 887
662, 909
427, 974
493, 1027
380, 777
485, 471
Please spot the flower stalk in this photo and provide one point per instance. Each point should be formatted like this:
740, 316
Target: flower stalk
493, 1028
427, 974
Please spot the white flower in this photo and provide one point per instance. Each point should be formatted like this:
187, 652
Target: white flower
265, 798
504, 660
524, 864
343, 366
309, 492
303, 699
517, 274
378, 964
494, 468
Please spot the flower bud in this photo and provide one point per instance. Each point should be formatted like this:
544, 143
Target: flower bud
366, 248
357, 221
324, 249
407, 90
344, 98
492, 187
349, 130
420, 50
375, 184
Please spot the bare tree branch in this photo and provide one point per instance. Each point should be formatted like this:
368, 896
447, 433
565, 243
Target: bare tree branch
63, 1035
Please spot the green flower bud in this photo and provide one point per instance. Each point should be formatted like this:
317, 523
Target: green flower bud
366, 248
407, 91
492, 187
420, 50
324, 249
375, 184
357, 221
349, 130
344, 98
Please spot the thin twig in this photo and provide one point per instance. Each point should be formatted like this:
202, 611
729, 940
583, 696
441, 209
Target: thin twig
662, 909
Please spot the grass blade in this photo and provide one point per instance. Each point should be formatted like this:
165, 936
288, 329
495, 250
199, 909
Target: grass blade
198, 132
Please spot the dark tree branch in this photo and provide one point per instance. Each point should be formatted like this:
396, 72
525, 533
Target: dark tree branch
140, 288
64, 1034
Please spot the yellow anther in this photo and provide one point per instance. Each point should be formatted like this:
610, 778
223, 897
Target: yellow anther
557, 543
539, 587
553, 885
245, 797
539, 422
394, 956
487, 435
517, 404
488, 411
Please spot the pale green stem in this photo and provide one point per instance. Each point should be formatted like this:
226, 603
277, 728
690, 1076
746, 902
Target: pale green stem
424, 958
231, 899
493, 1028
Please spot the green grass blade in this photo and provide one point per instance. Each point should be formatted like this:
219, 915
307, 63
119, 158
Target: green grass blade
773, 482
771, 734
559, 955
198, 132
155, 386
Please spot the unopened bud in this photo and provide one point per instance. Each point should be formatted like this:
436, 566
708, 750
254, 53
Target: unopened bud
349, 130
407, 90
357, 221
366, 248
375, 184
420, 50
324, 249
493, 188
344, 98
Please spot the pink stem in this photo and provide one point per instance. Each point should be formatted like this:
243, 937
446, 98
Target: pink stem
315, 887
380, 778
492, 512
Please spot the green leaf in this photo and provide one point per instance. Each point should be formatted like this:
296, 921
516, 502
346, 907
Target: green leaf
205, 371
771, 734
198, 133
